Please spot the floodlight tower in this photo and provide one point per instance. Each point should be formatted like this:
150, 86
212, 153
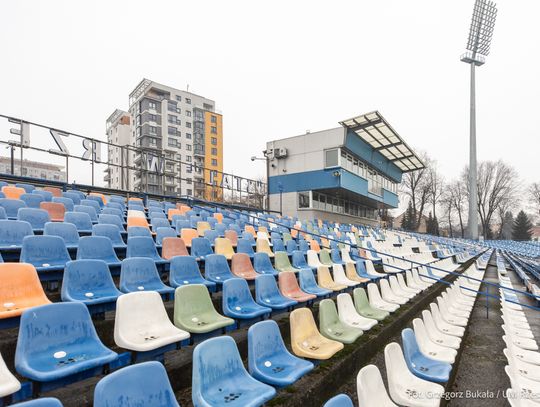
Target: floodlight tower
478, 43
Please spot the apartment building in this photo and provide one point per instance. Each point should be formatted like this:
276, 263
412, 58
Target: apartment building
171, 139
33, 169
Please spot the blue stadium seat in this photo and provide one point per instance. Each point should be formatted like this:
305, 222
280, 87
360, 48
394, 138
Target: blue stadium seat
336, 257
421, 365
182, 224
159, 223
155, 214
80, 194
163, 232
216, 268
27, 187
89, 282
111, 220
92, 203
341, 400
45, 253
42, 402
66, 231
81, 220
144, 384
46, 195
36, 217
220, 229
110, 231
141, 246
303, 246
59, 340
113, 211
137, 231
87, 209
309, 285
269, 360
2, 213
97, 199
220, 379
31, 200
292, 247
263, 265
279, 246
11, 206
98, 248
238, 303
211, 235
74, 197
245, 246
201, 247
299, 260
267, 293
249, 237
140, 274
184, 270
68, 203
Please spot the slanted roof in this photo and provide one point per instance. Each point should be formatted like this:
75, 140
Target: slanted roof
375, 130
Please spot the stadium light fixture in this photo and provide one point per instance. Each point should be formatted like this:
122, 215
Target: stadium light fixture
478, 47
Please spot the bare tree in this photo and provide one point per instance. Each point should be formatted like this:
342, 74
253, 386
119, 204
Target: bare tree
436, 186
458, 196
448, 207
534, 195
416, 185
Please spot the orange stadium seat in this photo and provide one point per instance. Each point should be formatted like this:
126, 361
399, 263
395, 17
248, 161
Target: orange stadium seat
55, 191
188, 235
173, 246
13, 192
56, 210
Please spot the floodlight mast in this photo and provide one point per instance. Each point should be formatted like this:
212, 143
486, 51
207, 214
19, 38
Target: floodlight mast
478, 44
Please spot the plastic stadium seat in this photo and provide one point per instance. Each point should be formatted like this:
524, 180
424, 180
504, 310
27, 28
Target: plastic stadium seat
244, 246
291, 247
269, 360
238, 303
140, 274
93, 204
74, 197
434, 334
313, 259
232, 235
241, 267
88, 210
111, 220
36, 217
184, 270
28, 188
299, 261
267, 294
99, 197
202, 227
331, 326
90, 282
282, 263
68, 203
336, 256
111, 211
309, 285
263, 265
262, 246
56, 210
3, 213
111, 232
172, 212
421, 365
32, 200
314, 245
141, 323
278, 246
46, 253
404, 386
216, 269
324, 256
362, 306
325, 280
306, 340
67, 231
143, 247
341, 400
57, 192
163, 232
81, 220
194, 311
144, 384
349, 316
46, 195
341, 278
446, 324
224, 247
370, 388
351, 274
140, 222
11, 207
8, 382
376, 301
188, 234
289, 288
20, 289
432, 349
389, 295
218, 216
219, 377
13, 192
58, 340
137, 231
173, 246
12, 233
201, 247
98, 248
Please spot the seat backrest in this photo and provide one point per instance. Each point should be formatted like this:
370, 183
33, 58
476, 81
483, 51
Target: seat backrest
281, 261
68, 203
370, 388
396, 367
110, 231
85, 276
136, 221
265, 286
184, 267
36, 217
302, 325
244, 246
287, 282
96, 247
159, 223
20, 285
56, 210
341, 400
111, 220
57, 192
324, 277
12, 206
40, 250
74, 197
327, 313
141, 246
222, 245
188, 234
134, 231
46, 195
92, 203
216, 264
190, 300
137, 272
163, 232
235, 291
28, 188
173, 246
264, 342
307, 279
298, 259
142, 384
81, 220
201, 246
66, 231
232, 235
31, 200
13, 192
262, 263
88, 210
112, 211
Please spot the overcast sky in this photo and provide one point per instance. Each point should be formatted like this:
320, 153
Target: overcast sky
279, 68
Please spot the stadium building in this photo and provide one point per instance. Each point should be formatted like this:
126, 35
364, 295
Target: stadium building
349, 173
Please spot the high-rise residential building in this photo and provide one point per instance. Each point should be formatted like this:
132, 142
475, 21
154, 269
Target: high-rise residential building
175, 141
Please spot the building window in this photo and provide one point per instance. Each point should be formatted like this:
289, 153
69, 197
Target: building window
179, 98
213, 119
214, 151
214, 162
188, 113
331, 158
303, 200
214, 141
173, 131
152, 141
173, 119
188, 136
188, 158
173, 142
188, 125
152, 105
188, 101
188, 147
214, 130
189, 191
188, 181
152, 117
153, 130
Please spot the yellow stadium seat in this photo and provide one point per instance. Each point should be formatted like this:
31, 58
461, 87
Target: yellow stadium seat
223, 246
203, 227
324, 279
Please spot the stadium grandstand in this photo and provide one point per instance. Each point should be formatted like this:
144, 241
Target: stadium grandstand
112, 298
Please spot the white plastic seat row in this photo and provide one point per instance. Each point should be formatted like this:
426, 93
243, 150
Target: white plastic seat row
8, 382
349, 316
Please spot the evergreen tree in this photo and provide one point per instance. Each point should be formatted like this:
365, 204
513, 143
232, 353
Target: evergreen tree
405, 221
521, 229
429, 224
436, 231
409, 221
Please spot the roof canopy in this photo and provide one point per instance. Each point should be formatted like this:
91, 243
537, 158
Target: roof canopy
375, 130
